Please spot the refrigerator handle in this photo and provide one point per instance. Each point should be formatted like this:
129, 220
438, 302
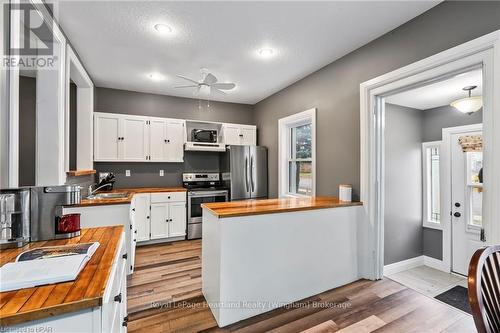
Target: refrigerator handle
252, 188
246, 173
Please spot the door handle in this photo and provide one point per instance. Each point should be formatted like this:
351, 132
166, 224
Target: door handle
457, 214
246, 173
251, 174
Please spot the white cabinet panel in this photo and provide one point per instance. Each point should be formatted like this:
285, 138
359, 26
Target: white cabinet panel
248, 136
159, 220
177, 224
106, 132
142, 216
157, 139
231, 134
235, 134
175, 140
135, 137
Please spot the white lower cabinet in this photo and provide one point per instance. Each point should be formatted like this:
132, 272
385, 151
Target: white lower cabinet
110, 317
141, 208
168, 216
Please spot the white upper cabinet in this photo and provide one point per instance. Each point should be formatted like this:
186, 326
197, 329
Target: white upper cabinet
235, 134
134, 138
158, 139
176, 134
137, 138
106, 137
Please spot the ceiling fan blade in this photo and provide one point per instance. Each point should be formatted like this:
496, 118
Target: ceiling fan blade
215, 90
209, 79
190, 86
224, 86
188, 79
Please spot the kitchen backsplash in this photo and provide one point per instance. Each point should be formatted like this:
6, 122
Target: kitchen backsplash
148, 174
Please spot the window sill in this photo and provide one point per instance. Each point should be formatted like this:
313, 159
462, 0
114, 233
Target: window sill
432, 225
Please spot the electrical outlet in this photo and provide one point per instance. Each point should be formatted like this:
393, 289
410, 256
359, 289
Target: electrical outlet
162, 173
127, 173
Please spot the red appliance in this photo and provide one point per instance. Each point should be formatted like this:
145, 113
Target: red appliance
68, 223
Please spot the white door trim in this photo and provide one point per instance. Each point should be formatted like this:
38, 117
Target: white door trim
483, 51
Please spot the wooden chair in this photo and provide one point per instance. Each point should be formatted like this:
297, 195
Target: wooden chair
484, 289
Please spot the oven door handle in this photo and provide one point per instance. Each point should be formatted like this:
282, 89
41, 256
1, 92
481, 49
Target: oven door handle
208, 194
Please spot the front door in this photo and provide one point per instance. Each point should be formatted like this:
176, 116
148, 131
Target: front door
466, 195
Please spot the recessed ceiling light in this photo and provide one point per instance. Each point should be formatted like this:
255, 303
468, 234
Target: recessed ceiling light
266, 52
163, 28
156, 77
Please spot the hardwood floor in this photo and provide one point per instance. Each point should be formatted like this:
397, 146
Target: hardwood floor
170, 275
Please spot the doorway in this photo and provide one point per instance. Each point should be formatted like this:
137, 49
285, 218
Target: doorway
478, 53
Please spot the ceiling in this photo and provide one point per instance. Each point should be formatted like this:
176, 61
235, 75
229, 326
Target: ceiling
439, 93
119, 46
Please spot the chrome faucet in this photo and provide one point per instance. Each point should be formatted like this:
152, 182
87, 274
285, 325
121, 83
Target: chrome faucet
92, 192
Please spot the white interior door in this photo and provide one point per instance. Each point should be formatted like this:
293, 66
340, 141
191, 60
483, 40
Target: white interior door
466, 209
175, 140
157, 139
135, 137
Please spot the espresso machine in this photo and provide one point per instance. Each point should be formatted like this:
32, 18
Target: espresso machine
32, 214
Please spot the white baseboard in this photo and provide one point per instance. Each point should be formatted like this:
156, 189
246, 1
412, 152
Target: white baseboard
403, 265
436, 264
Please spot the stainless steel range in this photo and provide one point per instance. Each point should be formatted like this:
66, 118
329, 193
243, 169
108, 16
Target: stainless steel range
202, 188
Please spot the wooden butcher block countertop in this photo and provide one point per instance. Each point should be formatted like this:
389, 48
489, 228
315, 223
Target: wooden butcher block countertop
270, 206
23, 305
128, 199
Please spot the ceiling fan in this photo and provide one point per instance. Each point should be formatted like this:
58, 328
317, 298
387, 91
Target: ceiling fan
207, 80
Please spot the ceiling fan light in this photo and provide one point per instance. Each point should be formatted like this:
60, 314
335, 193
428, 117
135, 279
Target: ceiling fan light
469, 104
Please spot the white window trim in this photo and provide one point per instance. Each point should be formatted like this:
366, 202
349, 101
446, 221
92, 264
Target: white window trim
425, 184
284, 124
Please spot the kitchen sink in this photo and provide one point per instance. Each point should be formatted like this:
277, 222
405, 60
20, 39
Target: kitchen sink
116, 195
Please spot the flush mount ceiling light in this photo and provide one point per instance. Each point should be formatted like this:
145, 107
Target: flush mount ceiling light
156, 77
266, 53
163, 28
468, 104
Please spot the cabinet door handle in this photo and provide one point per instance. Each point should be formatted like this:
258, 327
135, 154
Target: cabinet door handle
125, 256
147, 217
118, 298
135, 231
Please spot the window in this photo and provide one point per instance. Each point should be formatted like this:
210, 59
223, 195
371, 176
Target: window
474, 189
297, 154
431, 181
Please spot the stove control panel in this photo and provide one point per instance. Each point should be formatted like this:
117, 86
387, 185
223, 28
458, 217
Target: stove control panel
200, 177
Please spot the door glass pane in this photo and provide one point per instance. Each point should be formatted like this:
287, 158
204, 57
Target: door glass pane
300, 181
196, 210
476, 206
434, 207
474, 166
301, 141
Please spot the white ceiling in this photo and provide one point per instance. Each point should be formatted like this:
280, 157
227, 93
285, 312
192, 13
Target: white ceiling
439, 93
119, 46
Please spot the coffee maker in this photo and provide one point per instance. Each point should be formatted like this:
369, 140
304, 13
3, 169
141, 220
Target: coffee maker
14, 217
46, 211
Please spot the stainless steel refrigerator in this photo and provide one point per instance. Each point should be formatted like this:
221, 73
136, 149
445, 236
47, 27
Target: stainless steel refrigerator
244, 172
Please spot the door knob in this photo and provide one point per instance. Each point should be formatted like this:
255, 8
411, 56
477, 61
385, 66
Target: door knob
457, 214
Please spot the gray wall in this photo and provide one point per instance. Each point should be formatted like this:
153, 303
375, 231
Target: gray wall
131, 102
27, 130
403, 183
334, 89
147, 174
446, 116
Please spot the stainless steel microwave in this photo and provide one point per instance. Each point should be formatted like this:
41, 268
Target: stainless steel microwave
204, 135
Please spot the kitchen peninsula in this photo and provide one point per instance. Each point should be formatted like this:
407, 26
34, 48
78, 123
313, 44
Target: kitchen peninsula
258, 255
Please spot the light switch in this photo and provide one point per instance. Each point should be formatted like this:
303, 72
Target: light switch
127, 173
162, 173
